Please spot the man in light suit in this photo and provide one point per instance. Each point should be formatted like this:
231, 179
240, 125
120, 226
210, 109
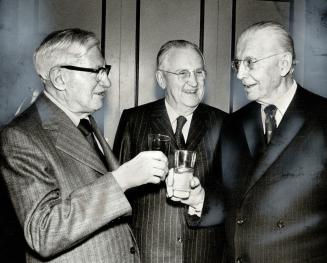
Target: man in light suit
274, 157
159, 224
64, 182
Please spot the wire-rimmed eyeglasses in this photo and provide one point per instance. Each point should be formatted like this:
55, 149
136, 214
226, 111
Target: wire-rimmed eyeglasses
98, 71
249, 62
184, 75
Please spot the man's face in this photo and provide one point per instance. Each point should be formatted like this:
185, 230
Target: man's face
85, 91
260, 82
183, 96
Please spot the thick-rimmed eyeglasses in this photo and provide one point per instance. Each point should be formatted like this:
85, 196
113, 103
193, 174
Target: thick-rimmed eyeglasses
184, 75
249, 62
98, 71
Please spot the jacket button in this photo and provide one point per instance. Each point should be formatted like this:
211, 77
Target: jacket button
132, 250
240, 221
179, 239
239, 260
280, 224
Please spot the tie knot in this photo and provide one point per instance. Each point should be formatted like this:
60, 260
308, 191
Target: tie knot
181, 120
270, 111
85, 127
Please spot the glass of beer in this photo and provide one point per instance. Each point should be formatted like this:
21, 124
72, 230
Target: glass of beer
183, 172
159, 142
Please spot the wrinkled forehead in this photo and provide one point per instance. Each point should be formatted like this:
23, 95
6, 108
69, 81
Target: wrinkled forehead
183, 57
256, 43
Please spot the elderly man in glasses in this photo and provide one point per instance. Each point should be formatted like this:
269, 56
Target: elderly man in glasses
65, 184
274, 157
158, 223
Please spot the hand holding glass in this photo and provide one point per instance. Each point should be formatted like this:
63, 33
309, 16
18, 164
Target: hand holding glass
183, 173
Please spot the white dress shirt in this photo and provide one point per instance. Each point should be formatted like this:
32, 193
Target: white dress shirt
282, 104
173, 115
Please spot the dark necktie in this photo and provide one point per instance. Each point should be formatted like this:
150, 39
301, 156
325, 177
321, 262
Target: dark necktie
270, 122
181, 120
89, 131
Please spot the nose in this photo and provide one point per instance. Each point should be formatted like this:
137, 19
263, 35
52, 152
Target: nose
105, 81
193, 80
242, 72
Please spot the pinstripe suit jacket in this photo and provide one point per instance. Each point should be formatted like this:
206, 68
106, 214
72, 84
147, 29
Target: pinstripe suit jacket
66, 201
159, 225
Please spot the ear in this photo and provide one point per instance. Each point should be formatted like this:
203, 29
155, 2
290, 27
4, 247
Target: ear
57, 78
161, 79
285, 64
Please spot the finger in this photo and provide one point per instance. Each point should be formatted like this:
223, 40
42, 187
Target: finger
169, 191
159, 173
195, 182
176, 199
154, 180
159, 155
169, 183
170, 178
159, 164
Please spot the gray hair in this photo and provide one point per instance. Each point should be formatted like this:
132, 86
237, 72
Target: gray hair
284, 38
164, 49
61, 47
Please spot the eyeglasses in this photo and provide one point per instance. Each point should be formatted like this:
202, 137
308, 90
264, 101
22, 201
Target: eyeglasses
248, 62
98, 71
184, 75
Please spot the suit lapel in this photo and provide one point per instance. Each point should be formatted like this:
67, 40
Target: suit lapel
253, 130
66, 135
160, 122
290, 125
197, 129
112, 161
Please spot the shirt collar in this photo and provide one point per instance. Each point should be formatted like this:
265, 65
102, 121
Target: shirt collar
173, 115
72, 115
284, 101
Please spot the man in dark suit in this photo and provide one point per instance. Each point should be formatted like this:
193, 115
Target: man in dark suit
159, 224
64, 182
274, 157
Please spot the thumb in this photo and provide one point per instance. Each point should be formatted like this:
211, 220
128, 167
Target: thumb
169, 183
195, 182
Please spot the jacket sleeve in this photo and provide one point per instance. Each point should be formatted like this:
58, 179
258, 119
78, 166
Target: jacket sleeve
51, 222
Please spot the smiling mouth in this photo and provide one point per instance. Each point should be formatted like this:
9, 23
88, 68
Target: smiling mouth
249, 86
101, 93
190, 91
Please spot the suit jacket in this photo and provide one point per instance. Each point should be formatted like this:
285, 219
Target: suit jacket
66, 201
277, 195
159, 224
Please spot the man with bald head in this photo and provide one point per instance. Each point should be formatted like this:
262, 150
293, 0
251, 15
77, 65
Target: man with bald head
158, 223
273, 158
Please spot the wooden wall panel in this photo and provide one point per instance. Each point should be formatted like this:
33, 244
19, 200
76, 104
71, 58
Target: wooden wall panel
161, 21
217, 50
120, 53
247, 13
23, 24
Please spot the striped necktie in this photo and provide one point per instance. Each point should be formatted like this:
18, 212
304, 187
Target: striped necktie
181, 120
270, 122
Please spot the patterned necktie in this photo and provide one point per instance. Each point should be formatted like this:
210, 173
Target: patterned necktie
89, 132
181, 120
270, 122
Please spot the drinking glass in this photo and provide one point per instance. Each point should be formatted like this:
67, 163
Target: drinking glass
183, 172
159, 142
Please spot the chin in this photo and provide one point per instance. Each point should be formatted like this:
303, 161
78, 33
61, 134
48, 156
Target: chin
251, 97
